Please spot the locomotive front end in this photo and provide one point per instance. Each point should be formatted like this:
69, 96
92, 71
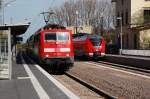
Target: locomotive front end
57, 46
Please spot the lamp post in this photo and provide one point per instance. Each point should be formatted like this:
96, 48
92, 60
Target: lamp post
102, 21
3, 9
120, 18
77, 13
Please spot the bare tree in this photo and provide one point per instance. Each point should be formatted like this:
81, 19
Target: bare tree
95, 13
66, 14
88, 9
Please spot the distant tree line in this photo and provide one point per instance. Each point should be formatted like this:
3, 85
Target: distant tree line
95, 13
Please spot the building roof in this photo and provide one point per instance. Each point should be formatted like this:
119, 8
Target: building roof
17, 29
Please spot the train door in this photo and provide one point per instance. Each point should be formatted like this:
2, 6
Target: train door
5, 54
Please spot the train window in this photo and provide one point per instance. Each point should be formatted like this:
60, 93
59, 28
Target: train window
63, 36
50, 36
57, 36
95, 41
37, 38
31, 39
74, 36
80, 36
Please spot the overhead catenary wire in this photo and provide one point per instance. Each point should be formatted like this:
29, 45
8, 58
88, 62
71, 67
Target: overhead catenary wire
35, 22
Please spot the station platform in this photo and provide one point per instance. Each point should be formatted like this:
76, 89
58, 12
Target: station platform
30, 81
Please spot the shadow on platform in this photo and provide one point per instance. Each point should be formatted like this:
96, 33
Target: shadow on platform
20, 56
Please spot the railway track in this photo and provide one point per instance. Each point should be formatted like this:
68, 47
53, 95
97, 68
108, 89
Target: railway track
116, 65
91, 87
108, 83
77, 88
114, 83
100, 93
120, 66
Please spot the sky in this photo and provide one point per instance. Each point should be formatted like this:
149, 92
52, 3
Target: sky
29, 10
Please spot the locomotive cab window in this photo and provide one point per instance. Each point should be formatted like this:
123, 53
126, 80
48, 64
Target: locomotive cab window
50, 36
63, 36
60, 36
96, 41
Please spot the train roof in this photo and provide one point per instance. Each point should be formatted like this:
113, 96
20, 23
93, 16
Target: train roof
51, 26
54, 26
46, 27
80, 35
86, 35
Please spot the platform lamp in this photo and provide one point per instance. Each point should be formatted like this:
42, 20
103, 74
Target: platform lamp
4, 5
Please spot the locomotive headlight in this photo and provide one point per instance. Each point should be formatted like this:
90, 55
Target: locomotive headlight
67, 54
91, 54
47, 55
100, 47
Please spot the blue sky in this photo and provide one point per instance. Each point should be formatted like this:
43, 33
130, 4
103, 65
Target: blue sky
27, 9
20, 10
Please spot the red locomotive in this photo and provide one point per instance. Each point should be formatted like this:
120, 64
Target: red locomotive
89, 45
52, 44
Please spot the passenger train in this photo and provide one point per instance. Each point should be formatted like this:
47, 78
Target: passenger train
89, 45
52, 44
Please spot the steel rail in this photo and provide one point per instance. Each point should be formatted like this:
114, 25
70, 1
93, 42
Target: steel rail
91, 87
124, 66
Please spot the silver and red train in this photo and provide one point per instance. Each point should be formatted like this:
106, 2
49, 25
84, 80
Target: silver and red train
52, 44
89, 45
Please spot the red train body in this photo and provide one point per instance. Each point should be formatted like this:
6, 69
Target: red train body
88, 45
52, 45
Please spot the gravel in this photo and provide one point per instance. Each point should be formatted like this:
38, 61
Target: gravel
117, 83
76, 88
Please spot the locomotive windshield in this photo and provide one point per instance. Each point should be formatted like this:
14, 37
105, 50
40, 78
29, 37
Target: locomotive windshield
95, 41
59, 36
63, 36
50, 36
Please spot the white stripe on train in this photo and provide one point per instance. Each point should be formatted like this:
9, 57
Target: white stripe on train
56, 49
